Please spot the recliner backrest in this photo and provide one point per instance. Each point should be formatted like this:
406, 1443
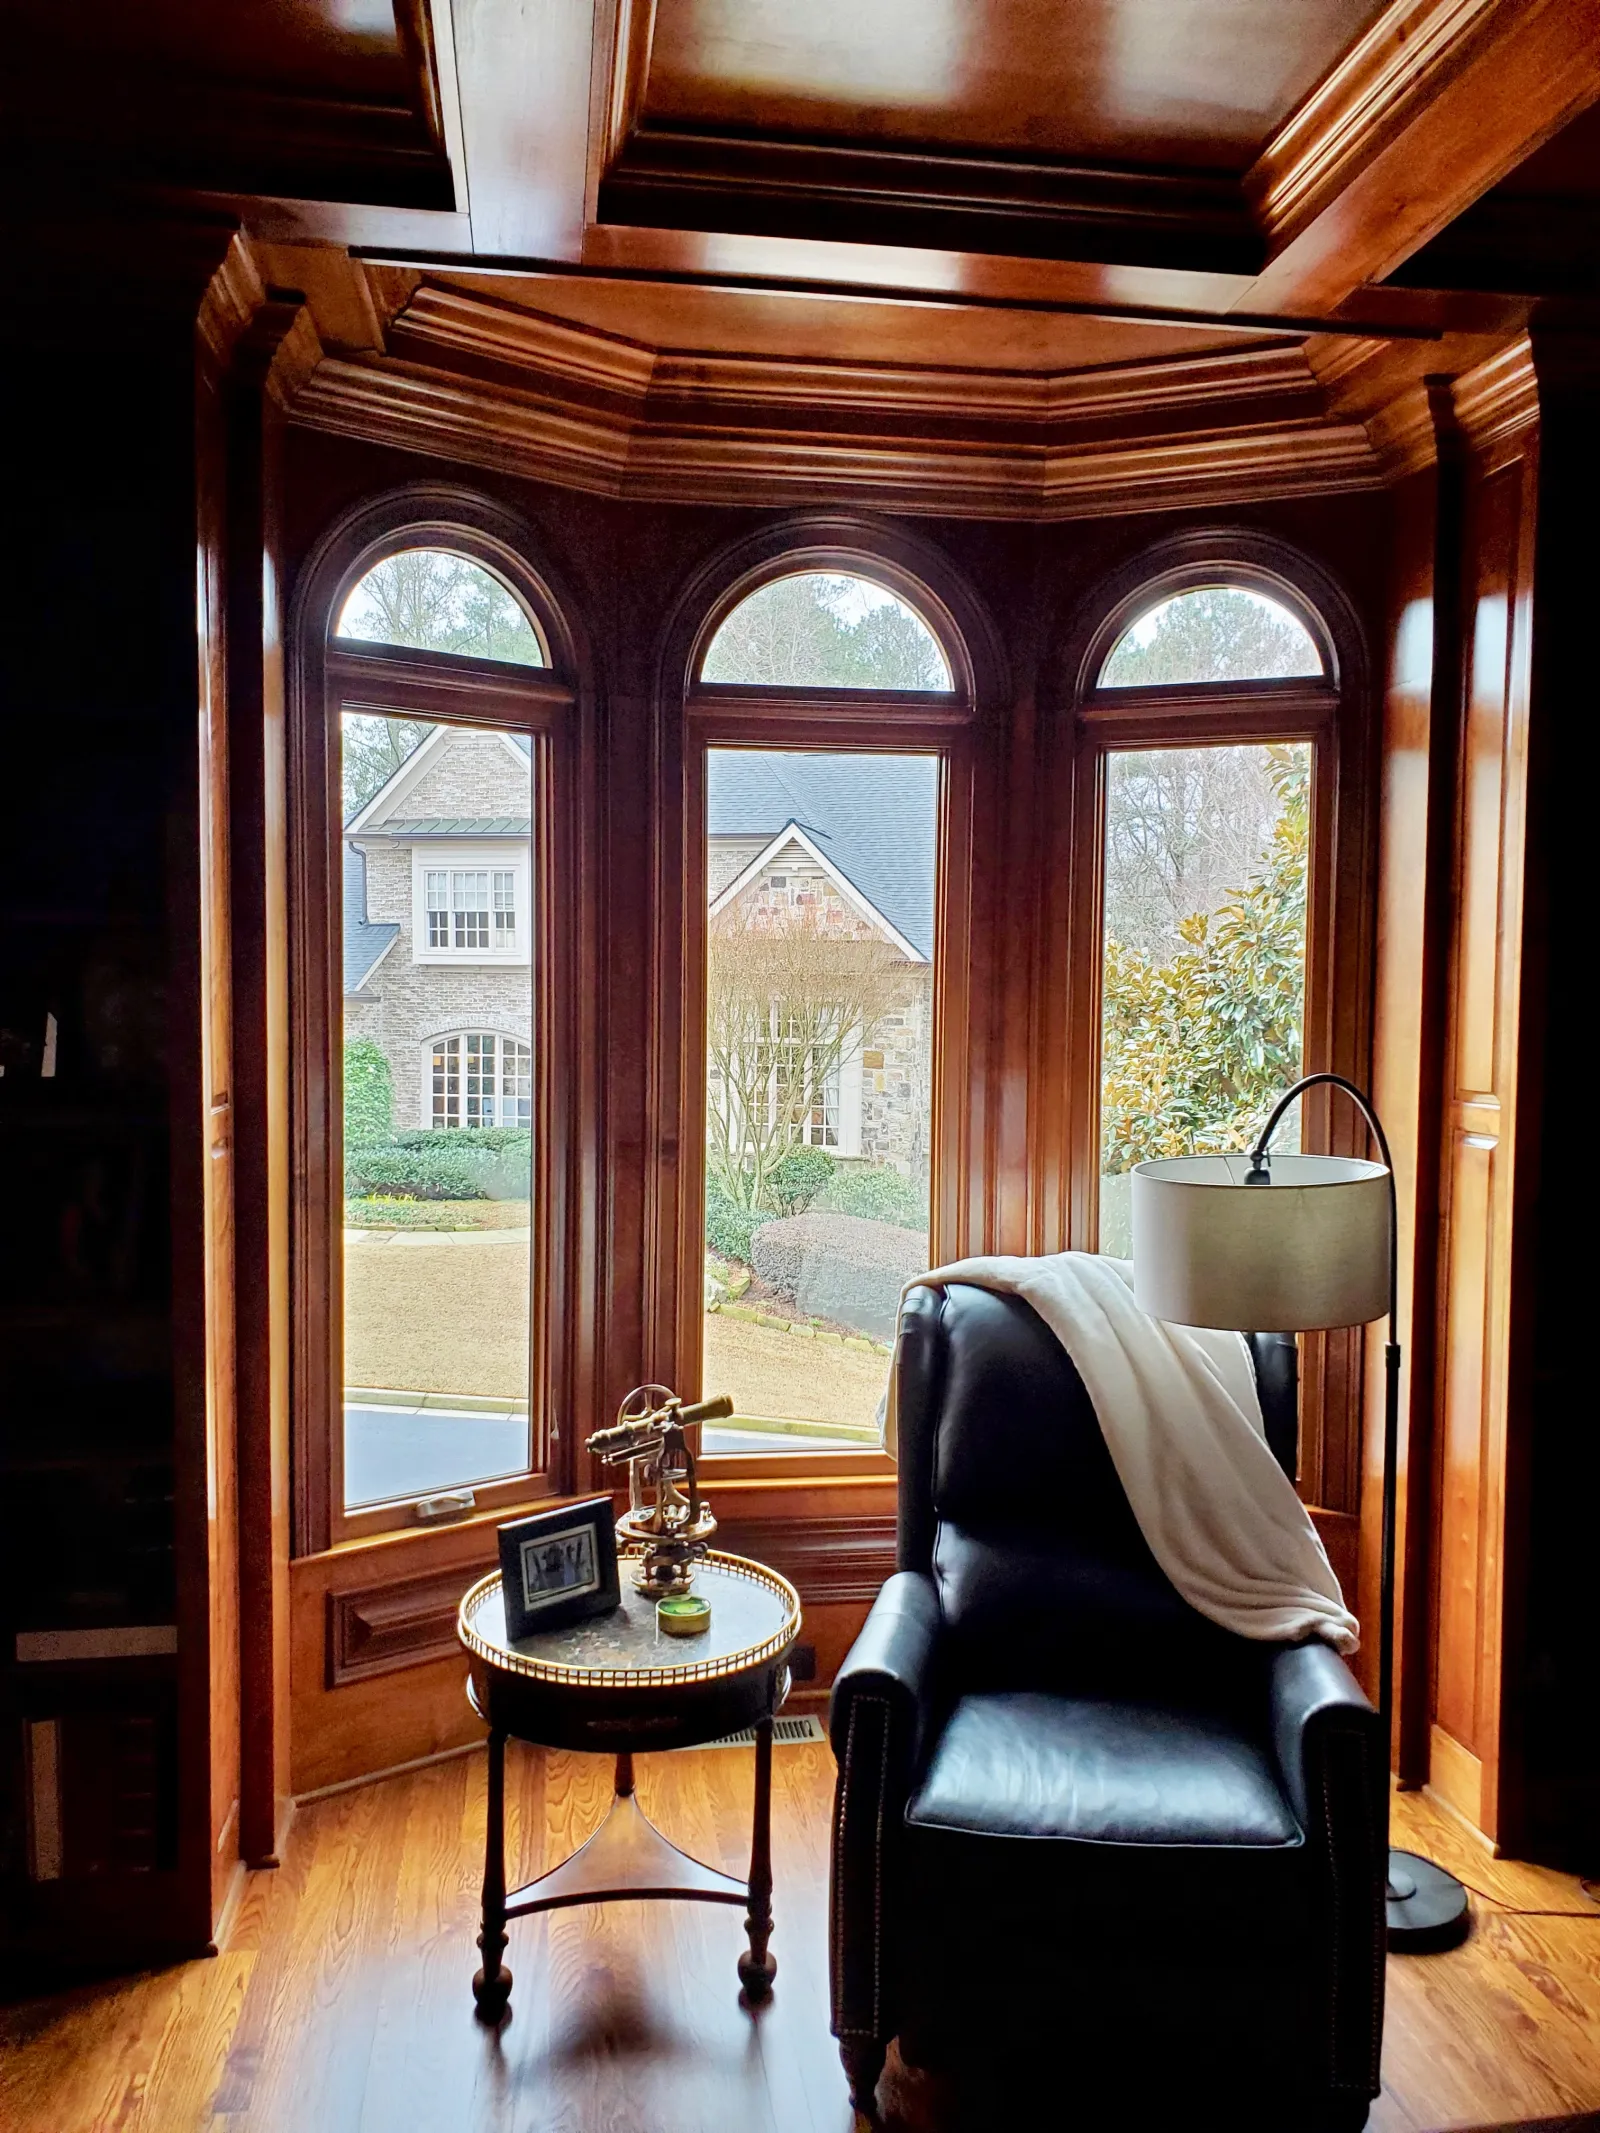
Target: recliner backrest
1009, 1497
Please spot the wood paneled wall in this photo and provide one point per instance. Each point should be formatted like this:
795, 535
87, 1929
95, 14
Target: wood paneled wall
1490, 643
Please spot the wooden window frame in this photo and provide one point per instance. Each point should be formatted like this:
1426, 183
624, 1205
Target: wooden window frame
336, 675
1332, 714
940, 723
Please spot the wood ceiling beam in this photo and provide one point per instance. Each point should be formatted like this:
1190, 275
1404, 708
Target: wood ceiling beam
524, 76
1432, 106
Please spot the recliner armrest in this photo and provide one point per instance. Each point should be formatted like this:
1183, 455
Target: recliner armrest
892, 1659
1334, 1762
1312, 1690
880, 1718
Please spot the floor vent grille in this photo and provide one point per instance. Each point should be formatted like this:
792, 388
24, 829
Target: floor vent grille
786, 1733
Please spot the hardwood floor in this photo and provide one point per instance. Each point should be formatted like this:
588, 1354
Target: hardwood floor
342, 2001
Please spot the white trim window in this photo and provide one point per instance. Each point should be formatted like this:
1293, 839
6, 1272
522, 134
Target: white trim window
472, 910
479, 1078
470, 906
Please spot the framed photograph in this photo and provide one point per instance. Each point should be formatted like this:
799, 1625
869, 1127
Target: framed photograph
559, 1566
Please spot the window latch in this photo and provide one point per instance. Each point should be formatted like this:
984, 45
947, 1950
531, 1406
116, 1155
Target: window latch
448, 1504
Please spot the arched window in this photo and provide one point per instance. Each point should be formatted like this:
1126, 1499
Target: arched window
820, 826
1207, 813
435, 601
480, 1078
1211, 633
429, 766
823, 629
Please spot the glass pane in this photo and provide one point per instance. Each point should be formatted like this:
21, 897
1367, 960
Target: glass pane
1215, 633
821, 630
438, 1089
819, 1022
1203, 978
438, 602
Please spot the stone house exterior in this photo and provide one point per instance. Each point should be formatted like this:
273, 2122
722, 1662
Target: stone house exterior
438, 930
437, 921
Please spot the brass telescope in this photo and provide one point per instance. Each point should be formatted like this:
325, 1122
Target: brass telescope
666, 1516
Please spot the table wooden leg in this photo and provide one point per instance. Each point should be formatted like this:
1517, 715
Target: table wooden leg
757, 1968
624, 1783
491, 1988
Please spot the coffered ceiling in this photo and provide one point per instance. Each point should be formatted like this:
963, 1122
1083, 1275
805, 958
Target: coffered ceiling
1163, 220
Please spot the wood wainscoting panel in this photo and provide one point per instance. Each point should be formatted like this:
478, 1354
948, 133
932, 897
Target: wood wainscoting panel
379, 1628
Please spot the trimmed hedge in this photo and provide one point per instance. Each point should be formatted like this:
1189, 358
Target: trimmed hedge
472, 1163
881, 1195
841, 1268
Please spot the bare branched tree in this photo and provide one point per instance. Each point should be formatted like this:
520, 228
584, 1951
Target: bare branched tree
789, 994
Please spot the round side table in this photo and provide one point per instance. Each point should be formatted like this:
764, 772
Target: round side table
617, 1685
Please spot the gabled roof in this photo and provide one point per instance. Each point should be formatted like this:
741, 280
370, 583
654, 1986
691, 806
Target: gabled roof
373, 813
874, 818
793, 839
365, 939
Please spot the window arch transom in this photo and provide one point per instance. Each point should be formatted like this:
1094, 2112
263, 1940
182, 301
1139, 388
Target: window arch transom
435, 600
823, 629
1212, 633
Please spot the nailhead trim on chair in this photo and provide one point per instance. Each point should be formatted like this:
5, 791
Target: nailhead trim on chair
1344, 2047
879, 1705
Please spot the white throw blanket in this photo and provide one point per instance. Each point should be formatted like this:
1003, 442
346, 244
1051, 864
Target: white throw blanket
1179, 1410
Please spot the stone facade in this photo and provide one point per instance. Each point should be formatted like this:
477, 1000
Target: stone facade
891, 1078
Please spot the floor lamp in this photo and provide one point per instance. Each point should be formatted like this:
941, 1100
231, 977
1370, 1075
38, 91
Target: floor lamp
1294, 1243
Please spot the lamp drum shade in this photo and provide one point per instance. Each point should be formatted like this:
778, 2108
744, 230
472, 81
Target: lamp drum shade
1308, 1249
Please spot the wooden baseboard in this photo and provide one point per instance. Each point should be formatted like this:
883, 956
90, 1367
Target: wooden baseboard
1455, 1782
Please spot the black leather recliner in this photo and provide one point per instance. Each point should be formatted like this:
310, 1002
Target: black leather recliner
1077, 1826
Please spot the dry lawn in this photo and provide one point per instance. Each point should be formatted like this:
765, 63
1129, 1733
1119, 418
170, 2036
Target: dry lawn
439, 1316
450, 1314
773, 1373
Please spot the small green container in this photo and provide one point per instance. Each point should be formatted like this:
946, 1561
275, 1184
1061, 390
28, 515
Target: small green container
685, 1615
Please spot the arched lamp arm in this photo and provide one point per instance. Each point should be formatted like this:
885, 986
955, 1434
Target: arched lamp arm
1363, 1103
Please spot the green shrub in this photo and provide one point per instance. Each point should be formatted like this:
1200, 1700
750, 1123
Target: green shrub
368, 1094
494, 1140
730, 1227
879, 1195
437, 1173
469, 1163
802, 1176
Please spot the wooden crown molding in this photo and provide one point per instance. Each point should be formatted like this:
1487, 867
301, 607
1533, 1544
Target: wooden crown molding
1405, 430
1018, 206
1498, 403
648, 380
1396, 62
621, 452
1429, 109
233, 295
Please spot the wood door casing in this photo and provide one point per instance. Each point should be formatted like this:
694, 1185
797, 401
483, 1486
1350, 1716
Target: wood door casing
1475, 1388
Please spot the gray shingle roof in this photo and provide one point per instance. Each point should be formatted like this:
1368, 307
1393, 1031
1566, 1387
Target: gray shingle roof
876, 817
364, 939
454, 826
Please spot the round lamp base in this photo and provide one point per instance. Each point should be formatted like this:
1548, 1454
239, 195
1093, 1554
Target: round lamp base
1427, 1907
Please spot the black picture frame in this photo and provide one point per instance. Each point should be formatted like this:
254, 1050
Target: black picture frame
558, 1567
